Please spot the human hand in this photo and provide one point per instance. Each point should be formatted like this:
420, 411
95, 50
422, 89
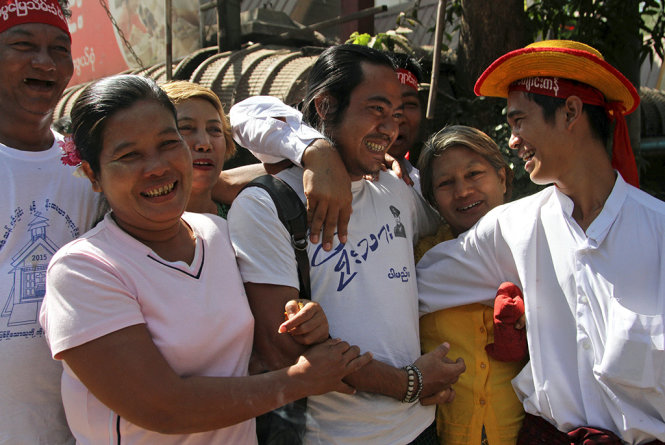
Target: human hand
327, 187
397, 168
323, 366
439, 372
445, 396
521, 322
305, 321
390, 163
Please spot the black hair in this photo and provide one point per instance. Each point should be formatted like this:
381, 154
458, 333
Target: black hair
337, 72
598, 119
408, 63
62, 125
103, 99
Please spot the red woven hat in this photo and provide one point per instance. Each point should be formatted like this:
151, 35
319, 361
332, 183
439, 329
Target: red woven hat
558, 58
17, 12
542, 63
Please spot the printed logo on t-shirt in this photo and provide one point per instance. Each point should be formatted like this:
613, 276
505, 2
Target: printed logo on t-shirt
399, 229
349, 259
26, 268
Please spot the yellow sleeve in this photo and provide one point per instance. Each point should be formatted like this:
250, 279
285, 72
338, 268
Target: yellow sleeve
424, 244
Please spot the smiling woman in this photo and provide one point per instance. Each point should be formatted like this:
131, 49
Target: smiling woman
207, 131
463, 175
137, 308
147, 174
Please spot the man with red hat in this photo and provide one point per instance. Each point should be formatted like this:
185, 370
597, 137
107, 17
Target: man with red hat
43, 206
586, 251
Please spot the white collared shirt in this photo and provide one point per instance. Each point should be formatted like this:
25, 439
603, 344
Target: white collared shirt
594, 302
256, 127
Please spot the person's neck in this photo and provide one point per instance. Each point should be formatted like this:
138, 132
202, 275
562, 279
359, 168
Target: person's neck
26, 135
201, 202
173, 243
589, 184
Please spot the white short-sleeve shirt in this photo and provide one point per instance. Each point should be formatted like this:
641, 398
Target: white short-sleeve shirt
43, 206
367, 289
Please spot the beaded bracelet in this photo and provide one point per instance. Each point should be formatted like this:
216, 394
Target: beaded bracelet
416, 396
413, 373
410, 383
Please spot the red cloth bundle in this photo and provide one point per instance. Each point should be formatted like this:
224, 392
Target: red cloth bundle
509, 343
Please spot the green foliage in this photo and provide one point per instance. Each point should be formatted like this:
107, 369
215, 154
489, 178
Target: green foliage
394, 40
601, 23
391, 40
452, 20
590, 21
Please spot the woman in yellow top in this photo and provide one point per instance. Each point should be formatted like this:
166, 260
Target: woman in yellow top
463, 175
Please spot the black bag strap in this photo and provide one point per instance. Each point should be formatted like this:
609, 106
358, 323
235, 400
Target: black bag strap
293, 214
286, 425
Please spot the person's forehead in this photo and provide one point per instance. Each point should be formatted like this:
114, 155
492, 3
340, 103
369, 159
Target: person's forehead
161, 122
37, 30
197, 107
379, 81
518, 101
459, 152
410, 93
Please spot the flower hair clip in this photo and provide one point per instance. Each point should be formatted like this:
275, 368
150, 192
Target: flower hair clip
71, 155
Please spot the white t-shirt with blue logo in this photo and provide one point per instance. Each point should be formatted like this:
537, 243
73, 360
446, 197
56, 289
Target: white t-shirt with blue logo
42, 207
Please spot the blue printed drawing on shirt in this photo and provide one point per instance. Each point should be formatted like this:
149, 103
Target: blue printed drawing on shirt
27, 266
349, 259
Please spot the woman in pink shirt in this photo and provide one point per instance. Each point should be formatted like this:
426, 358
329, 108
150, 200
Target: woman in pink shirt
147, 311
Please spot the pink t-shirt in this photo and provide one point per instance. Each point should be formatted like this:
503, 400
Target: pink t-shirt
198, 316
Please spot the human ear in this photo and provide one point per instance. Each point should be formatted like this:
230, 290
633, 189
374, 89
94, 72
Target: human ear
501, 173
325, 104
85, 166
573, 110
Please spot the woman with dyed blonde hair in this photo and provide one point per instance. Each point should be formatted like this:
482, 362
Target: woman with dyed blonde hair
205, 128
